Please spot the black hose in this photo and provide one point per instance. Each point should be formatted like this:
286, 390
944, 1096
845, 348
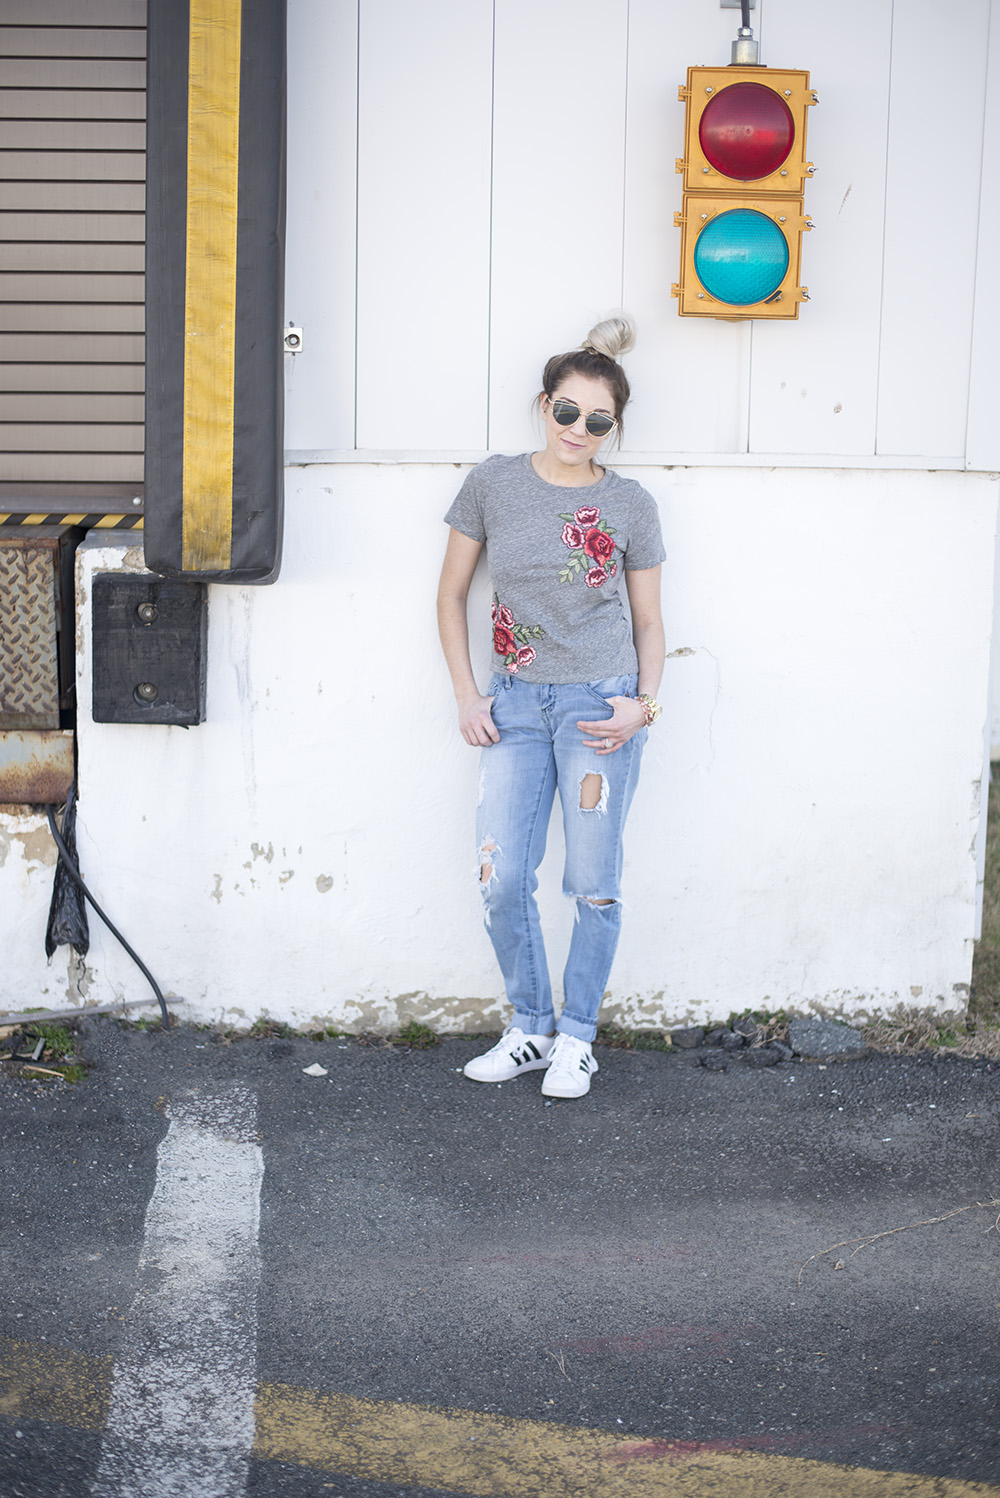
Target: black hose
77, 877
745, 12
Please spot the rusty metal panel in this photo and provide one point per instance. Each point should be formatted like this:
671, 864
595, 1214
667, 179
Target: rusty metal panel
36, 767
29, 664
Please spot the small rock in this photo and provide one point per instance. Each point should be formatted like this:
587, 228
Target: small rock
714, 1037
784, 1051
315, 1070
686, 1040
746, 1025
731, 1041
714, 1061
825, 1040
762, 1055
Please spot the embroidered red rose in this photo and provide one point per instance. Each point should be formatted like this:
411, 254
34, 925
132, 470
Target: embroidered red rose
509, 637
596, 577
572, 535
493, 611
599, 545
613, 570
587, 515
503, 641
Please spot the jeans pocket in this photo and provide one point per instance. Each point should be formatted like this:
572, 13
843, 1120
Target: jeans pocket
611, 686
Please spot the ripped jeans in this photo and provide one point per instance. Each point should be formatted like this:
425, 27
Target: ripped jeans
541, 749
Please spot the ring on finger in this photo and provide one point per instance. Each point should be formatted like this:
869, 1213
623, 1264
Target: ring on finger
607, 743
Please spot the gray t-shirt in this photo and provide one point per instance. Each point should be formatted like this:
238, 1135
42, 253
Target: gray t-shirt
556, 557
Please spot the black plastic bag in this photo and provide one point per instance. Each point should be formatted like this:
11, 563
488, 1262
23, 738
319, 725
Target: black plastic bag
68, 911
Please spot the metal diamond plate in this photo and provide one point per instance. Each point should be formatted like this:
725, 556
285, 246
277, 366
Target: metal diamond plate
29, 671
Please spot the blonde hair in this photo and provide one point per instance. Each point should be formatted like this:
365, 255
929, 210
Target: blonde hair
613, 336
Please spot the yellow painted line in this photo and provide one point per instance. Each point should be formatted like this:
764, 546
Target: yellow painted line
38, 1382
210, 283
461, 1451
493, 1456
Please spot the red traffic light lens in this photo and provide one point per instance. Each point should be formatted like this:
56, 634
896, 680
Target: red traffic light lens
746, 131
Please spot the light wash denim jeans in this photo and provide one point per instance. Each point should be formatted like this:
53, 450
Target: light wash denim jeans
542, 750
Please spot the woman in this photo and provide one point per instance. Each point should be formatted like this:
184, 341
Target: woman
571, 698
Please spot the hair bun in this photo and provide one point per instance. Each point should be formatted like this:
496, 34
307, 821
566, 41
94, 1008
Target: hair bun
613, 336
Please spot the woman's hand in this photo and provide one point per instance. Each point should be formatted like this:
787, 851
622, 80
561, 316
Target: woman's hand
611, 733
475, 720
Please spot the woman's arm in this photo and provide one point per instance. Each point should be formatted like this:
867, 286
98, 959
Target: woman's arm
629, 716
474, 710
647, 626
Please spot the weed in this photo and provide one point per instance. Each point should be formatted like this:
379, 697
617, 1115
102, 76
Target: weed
57, 1056
419, 1037
620, 1039
57, 1038
272, 1029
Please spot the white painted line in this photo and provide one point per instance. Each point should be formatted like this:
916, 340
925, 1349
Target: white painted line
181, 1419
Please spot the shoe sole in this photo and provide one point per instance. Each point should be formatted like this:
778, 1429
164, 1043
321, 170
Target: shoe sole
507, 1076
565, 1092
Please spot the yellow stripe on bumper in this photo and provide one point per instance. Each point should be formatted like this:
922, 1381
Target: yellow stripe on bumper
210, 283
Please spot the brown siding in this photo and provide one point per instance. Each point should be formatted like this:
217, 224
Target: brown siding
72, 184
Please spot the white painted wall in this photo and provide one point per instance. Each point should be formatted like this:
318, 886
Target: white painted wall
469, 191
804, 828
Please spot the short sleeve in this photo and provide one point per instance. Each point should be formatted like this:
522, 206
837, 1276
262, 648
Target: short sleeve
466, 512
645, 541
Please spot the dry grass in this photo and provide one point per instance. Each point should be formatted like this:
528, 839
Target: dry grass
909, 1031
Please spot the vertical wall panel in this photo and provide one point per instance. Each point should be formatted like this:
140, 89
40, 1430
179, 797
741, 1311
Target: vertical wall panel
937, 94
423, 223
322, 198
813, 383
558, 174
689, 375
983, 449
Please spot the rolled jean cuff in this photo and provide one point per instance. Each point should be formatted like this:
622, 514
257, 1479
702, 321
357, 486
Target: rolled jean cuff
581, 1029
534, 1023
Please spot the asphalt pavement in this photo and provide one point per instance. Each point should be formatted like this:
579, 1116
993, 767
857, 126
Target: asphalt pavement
225, 1276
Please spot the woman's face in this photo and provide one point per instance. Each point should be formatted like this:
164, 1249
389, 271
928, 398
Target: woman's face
573, 445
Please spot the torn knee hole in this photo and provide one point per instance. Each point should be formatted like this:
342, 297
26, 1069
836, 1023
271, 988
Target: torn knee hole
600, 902
592, 792
486, 862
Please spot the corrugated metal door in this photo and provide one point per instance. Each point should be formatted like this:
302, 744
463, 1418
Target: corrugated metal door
72, 185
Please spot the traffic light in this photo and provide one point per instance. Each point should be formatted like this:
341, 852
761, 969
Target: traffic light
742, 214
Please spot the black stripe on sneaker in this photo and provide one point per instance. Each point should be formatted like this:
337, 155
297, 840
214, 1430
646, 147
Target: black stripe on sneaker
534, 1050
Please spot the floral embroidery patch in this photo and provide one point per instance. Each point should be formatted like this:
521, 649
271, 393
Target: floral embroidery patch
511, 640
591, 548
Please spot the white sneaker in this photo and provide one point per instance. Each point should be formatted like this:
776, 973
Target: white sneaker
571, 1067
513, 1053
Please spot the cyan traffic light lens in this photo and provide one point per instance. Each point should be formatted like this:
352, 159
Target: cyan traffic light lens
741, 257
746, 131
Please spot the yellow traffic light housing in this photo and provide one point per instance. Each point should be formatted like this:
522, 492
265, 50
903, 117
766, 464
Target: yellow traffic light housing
744, 170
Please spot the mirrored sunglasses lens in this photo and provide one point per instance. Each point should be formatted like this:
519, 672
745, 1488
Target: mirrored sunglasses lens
599, 426
565, 413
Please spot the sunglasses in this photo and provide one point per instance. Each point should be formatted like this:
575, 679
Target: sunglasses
565, 413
